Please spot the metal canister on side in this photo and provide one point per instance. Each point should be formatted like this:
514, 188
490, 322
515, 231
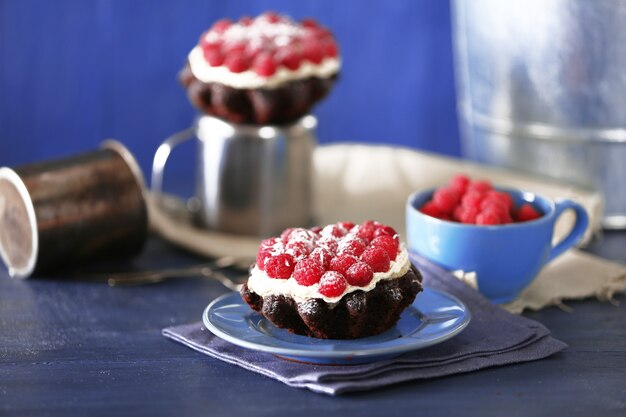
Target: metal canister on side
71, 211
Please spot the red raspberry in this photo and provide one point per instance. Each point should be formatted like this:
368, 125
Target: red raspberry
264, 64
303, 235
316, 230
498, 205
377, 258
347, 226
308, 272
332, 284
213, 56
257, 47
279, 266
488, 218
458, 213
221, 25
527, 212
389, 244
472, 199
360, 274
271, 17
384, 230
317, 34
237, 62
351, 246
271, 242
480, 186
333, 230
330, 49
284, 236
506, 218
245, 21
431, 209
208, 42
309, 23
490, 204
298, 249
468, 215
312, 51
329, 243
341, 263
446, 199
501, 196
261, 257
290, 58
235, 48
298, 234
322, 256
366, 230
460, 183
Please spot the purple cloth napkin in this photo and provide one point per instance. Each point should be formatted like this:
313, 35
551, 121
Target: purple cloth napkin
493, 337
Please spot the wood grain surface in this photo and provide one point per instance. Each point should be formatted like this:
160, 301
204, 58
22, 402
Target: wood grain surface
82, 348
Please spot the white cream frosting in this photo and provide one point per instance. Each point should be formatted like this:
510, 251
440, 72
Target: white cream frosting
250, 79
263, 285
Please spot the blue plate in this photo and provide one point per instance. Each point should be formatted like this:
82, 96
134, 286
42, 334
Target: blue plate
433, 317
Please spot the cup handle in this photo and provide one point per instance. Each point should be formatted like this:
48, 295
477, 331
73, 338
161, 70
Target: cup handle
162, 154
577, 232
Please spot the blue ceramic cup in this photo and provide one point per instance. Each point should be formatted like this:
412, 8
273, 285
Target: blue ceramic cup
506, 258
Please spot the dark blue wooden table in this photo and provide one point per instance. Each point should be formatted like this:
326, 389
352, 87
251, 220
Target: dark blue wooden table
82, 348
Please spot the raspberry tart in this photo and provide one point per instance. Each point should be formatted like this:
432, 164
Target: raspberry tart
266, 70
343, 281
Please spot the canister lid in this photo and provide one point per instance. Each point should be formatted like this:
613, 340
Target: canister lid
18, 225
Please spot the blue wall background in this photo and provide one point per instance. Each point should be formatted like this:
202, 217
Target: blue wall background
74, 72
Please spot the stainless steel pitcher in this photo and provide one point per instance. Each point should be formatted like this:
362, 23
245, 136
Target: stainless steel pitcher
251, 180
542, 88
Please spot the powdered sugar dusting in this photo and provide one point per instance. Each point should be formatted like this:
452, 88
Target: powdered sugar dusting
263, 285
262, 28
308, 307
313, 53
295, 263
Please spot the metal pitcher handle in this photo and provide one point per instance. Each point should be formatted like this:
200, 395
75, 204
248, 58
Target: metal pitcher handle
163, 153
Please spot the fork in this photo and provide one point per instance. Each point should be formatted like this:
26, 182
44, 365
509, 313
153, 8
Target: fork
208, 270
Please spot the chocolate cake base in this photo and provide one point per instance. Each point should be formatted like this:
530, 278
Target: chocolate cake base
259, 106
357, 314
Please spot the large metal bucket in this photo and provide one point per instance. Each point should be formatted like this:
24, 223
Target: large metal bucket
542, 88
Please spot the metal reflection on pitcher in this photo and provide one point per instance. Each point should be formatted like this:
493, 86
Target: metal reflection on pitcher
251, 180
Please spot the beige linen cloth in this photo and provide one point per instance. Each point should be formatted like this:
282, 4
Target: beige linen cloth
360, 182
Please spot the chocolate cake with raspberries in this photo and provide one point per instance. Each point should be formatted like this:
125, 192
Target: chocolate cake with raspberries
344, 281
266, 70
